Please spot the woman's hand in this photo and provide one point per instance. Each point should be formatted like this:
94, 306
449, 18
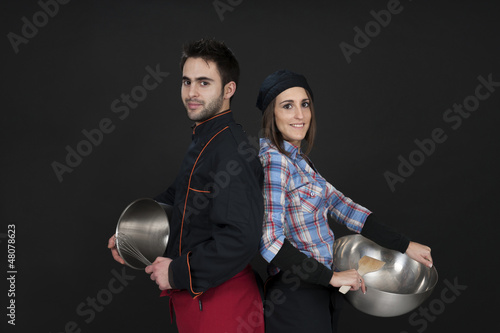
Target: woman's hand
348, 278
420, 253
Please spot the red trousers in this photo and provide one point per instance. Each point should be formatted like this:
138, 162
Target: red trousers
233, 307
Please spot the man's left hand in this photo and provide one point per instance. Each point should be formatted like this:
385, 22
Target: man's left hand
159, 272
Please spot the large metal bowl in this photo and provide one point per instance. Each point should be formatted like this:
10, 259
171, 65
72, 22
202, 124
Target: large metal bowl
142, 232
400, 286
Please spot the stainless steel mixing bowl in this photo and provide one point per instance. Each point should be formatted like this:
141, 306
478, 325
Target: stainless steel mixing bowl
400, 286
144, 227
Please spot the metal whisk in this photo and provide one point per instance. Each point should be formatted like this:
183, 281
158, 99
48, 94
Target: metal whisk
127, 245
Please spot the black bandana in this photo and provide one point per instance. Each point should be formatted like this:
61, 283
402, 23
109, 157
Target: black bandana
276, 83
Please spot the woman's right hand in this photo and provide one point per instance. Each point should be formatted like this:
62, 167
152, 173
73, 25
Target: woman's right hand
348, 278
114, 251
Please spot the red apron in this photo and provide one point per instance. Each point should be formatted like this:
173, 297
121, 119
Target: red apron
233, 307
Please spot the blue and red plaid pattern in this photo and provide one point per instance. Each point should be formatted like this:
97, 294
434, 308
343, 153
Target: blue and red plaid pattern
297, 200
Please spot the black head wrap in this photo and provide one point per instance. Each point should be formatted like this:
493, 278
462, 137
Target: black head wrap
276, 83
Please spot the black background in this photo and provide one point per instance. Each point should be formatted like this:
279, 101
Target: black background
369, 111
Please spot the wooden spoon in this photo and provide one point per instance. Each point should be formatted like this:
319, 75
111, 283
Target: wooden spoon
365, 265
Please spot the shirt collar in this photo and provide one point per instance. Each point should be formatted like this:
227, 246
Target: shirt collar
209, 125
294, 151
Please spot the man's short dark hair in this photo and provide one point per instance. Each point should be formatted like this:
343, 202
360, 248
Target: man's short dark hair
216, 51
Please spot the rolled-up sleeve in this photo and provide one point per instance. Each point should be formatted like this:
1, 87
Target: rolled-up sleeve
345, 211
276, 177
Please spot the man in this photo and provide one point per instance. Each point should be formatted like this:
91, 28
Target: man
217, 202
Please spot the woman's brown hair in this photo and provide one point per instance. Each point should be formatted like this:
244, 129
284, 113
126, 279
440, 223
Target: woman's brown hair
272, 133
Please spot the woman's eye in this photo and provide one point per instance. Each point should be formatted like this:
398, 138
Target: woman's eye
305, 104
287, 106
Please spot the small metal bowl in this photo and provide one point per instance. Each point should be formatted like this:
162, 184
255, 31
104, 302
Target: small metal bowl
399, 287
142, 232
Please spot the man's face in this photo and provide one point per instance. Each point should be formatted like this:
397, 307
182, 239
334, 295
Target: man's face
202, 91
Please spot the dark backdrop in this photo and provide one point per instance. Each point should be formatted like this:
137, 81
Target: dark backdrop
68, 71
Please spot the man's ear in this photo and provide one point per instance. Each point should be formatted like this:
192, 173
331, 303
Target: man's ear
229, 89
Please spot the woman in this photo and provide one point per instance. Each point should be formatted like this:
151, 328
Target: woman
297, 240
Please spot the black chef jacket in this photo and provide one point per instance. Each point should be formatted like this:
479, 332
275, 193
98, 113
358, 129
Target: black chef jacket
216, 223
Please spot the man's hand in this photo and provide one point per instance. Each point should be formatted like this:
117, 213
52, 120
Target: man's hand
420, 253
159, 272
114, 251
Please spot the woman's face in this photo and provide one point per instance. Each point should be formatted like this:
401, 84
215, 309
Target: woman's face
292, 113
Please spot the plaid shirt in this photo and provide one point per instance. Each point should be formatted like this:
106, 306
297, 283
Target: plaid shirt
297, 200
